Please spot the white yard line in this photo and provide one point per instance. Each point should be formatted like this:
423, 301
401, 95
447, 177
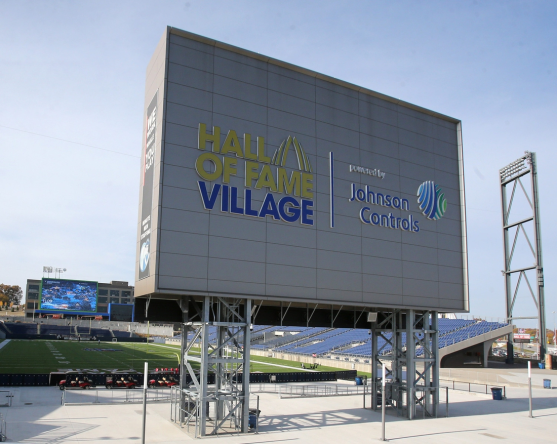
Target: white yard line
4, 343
258, 362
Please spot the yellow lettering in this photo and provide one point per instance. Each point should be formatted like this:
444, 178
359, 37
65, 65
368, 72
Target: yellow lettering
229, 164
200, 166
232, 144
266, 179
252, 172
247, 148
307, 185
203, 137
261, 151
291, 186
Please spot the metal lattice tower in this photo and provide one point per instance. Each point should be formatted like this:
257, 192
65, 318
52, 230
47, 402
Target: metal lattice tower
217, 399
513, 174
414, 376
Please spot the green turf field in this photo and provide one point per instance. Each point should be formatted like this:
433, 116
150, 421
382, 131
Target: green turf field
40, 356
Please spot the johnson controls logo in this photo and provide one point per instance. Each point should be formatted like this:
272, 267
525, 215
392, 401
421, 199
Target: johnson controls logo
431, 200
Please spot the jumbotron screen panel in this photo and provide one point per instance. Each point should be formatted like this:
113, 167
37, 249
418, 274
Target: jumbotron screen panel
66, 295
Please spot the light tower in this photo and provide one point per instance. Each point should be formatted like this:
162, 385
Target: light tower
512, 175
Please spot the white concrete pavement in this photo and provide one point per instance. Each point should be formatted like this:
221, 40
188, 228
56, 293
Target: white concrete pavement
36, 416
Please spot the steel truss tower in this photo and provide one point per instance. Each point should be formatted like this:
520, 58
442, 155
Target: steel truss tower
217, 399
512, 175
411, 342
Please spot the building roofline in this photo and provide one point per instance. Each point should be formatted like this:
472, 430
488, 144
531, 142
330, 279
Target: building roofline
308, 72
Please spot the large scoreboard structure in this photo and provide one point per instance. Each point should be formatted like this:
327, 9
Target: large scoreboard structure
306, 199
64, 295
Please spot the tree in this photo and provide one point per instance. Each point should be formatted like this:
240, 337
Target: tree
11, 293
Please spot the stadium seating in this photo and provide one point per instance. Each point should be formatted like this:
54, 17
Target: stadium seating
301, 333
21, 328
357, 342
48, 330
63, 330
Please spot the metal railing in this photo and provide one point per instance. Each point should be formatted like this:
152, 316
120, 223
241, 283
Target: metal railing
8, 398
309, 391
396, 397
113, 396
472, 387
186, 412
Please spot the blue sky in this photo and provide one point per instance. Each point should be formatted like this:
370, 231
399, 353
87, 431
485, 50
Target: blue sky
75, 71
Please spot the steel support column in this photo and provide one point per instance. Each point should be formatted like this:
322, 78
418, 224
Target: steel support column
410, 363
410, 343
436, 365
223, 356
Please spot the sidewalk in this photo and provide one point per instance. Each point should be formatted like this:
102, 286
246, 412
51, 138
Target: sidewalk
511, 376
37, 416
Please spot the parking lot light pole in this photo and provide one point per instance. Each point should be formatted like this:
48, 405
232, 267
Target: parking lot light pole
145, 371
554, 331
529, 390
383, 404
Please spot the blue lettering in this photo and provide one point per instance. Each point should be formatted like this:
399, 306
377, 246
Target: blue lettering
370, 195
234, 208
289, 213
307, 212
352, 192
269, 207
416, 226
224, 200
208, 201
362, 216
247, 203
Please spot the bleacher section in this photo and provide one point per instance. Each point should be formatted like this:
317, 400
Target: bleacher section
21, 329
348, 343
63, 330
18, 330
357, 342
99, 333
301, 333
314, 343
470, 331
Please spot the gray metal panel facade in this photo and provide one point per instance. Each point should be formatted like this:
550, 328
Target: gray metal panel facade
199, 251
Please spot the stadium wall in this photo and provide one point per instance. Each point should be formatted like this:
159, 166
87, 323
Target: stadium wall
160, 330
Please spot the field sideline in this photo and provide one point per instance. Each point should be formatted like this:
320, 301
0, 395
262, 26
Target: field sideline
41, 356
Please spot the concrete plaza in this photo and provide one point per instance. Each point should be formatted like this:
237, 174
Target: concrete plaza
37, 416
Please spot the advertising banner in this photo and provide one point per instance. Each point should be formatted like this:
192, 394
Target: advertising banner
522, 338
147, 188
